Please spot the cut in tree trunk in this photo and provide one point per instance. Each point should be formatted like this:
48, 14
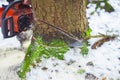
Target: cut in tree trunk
68, 15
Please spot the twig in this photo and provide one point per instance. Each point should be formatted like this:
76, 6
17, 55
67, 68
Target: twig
93, 36
59, 29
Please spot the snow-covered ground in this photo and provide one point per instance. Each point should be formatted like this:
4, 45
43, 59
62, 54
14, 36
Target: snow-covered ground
102, 63
10, 58
3, 2
105, 59
10, 61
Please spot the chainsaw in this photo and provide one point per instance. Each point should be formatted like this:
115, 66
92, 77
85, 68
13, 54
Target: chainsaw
15, 18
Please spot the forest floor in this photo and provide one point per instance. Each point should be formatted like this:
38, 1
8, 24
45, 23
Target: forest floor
102, 63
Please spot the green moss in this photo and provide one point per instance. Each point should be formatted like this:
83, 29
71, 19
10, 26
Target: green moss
81, 71
38, 49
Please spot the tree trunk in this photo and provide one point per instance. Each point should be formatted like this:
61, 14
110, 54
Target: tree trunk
68, 15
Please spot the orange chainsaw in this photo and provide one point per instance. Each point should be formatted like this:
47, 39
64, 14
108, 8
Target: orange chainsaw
15, 18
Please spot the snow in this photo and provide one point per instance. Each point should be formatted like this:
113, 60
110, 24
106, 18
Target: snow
105, 59
10, 61
8, 43
10, 58
3, 2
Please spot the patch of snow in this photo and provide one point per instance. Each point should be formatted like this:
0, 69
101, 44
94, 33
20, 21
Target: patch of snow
9, 42
10, 61
3, 2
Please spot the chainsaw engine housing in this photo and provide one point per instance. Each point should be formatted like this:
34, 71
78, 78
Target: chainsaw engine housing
15, 18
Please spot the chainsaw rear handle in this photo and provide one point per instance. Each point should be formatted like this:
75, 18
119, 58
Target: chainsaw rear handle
4, 29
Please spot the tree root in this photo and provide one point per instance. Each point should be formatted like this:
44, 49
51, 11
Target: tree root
104, 39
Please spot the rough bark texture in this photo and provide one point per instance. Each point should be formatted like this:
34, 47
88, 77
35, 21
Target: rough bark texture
70, 15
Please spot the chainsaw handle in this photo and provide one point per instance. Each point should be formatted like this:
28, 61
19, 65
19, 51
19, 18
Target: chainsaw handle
4, 15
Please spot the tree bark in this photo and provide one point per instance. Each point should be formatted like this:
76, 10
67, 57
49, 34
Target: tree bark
69, 15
